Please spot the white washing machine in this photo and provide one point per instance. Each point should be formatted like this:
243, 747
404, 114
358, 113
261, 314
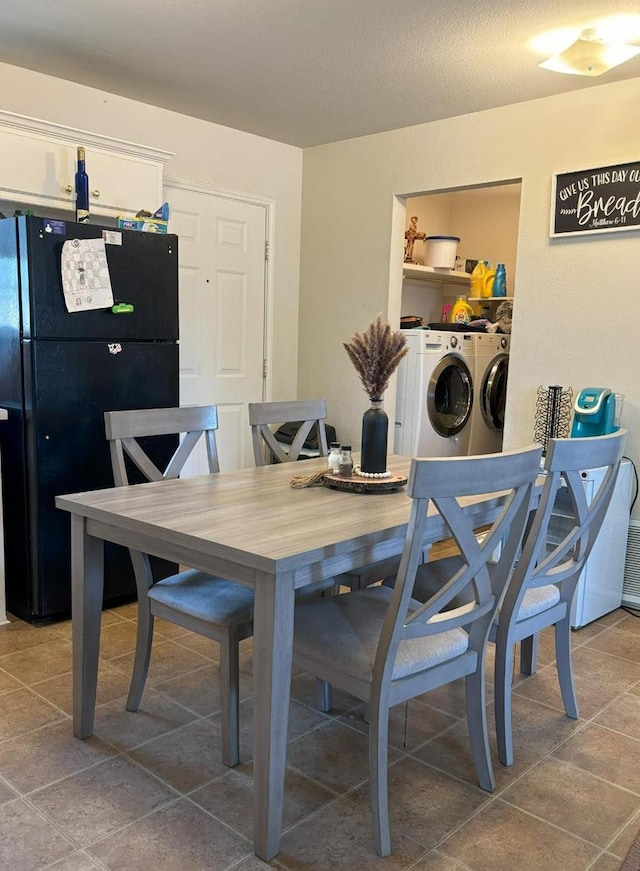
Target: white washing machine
434, 398
490, 380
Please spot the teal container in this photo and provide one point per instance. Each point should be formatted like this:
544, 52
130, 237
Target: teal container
500, 281
594, 413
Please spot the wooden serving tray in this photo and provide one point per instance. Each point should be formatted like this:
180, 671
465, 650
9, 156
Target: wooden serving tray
364, 485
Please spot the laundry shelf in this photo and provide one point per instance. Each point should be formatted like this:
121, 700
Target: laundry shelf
428, 273
489, 299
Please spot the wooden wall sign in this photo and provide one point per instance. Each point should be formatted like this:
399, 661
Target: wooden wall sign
601, 200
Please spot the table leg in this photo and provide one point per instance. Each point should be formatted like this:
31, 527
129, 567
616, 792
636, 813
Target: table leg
272, 655
87, 582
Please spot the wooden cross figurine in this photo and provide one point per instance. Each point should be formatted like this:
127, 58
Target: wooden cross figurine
411, 235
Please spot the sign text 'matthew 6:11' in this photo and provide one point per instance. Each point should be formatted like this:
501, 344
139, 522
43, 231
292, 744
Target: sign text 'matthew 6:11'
601, 200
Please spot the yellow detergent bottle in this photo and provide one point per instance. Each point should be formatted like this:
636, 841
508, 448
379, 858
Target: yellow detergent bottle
477, 278
461, 313
487, 287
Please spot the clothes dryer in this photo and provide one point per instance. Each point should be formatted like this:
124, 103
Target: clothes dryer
434, 397
490, 378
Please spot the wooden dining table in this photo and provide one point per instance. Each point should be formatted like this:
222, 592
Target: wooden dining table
252, 527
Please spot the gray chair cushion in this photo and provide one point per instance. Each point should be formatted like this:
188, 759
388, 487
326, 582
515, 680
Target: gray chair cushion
538, 599
205, 597
431, 577
353, 623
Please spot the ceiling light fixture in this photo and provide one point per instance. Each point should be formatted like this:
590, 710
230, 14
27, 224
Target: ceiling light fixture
590, 55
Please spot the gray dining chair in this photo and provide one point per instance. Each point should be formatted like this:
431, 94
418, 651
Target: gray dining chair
384, 647
214, 607
310, 413
540, 593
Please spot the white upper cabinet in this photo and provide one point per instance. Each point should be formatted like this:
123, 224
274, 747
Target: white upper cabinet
38, 164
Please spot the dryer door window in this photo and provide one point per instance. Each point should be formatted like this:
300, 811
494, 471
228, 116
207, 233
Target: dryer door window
450, 396
493, 393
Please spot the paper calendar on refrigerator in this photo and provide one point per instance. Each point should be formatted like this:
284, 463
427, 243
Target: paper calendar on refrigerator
85, 275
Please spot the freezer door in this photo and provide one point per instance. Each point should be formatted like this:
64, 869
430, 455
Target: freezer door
72, 385
143, 268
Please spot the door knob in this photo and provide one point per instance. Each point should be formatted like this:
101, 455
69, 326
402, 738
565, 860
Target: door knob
68, 189
95, 194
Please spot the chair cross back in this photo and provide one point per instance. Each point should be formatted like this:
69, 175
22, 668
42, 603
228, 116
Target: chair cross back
214, 607
476, 568
544, 581
385, 648
124, 428
263, 415
443, 485
541, 564
570, 554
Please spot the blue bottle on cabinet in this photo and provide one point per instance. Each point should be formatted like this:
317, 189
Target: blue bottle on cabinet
82, 189
500, 281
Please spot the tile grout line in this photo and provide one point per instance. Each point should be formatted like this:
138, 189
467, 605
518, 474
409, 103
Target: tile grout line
95, 862
163, 806
404, 754
499, 796
558, 828
458, 866
50, 822
590, 721
430, 847
635, 818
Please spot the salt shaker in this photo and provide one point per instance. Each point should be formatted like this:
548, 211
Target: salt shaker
345, 469
333, 460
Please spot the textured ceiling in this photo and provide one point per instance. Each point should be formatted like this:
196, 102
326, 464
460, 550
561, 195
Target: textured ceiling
306, 72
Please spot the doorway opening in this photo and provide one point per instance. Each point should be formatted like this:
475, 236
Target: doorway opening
486, 219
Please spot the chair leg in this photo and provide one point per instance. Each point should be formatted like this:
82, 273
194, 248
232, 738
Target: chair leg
502, 702
378, 788
229, 697
529, 654
324, 695
478, 732
144, 638
565, 672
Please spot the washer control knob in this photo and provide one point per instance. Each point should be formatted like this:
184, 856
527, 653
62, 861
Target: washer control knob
454, 342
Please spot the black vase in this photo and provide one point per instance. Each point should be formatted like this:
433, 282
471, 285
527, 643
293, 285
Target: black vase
375, 425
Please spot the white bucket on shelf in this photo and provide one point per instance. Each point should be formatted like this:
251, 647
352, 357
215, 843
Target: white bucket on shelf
441, 251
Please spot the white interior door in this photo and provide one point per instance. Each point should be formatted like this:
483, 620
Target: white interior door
222, 269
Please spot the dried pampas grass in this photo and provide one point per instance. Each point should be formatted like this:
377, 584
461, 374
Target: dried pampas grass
375, 355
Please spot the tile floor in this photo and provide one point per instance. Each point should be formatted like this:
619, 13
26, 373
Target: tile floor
149, 790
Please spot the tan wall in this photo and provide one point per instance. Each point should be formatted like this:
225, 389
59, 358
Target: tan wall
486, 222
204, 152
577, 316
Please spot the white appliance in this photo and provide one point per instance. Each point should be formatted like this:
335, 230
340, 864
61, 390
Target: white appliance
490, 393
599, 589
434, 396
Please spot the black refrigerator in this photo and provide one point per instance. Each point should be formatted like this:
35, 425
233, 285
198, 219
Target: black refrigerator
59, 373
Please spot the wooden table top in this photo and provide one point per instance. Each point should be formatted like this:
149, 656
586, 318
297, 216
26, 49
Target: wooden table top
256, 512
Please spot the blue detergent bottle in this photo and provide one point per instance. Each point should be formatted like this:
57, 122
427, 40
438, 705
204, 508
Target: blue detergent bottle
500, 281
